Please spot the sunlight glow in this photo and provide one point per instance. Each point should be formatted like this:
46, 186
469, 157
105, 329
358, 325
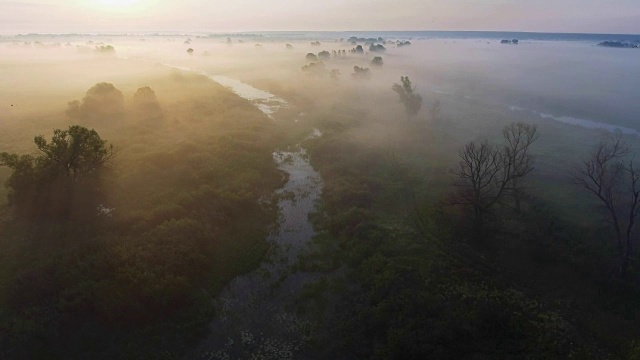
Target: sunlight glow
119, 6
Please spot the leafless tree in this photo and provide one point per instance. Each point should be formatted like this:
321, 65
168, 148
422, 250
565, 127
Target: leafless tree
519, 137
488, 174
614, 180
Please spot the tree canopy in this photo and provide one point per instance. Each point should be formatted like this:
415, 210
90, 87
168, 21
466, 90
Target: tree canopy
103, 101
63, 178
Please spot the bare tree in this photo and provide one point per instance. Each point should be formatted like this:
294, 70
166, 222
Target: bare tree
519, 137
488, 174
615, 182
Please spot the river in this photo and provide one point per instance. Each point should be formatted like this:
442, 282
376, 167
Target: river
255, 316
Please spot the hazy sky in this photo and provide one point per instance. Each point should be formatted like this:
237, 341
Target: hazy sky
61, 16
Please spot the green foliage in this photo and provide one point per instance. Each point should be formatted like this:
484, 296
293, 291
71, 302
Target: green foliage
64, 180
77, 151
188, 208
410, 289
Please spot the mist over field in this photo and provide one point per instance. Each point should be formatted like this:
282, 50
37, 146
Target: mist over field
316, 195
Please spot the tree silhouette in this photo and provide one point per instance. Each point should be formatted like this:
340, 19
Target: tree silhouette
103, 101
614, 181
412, 102
361, 73
324, 55
488, 174
63, 180
146, 105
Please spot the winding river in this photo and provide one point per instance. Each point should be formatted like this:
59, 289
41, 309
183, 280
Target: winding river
254, 315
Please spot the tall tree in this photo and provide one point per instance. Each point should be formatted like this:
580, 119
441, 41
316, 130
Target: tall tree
488, 174
76, 152
614, 181
519, 137
63, 178
412, 102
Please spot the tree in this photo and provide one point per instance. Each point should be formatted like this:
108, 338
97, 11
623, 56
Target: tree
357, 50
519, 137
311, 57
613, 180
105, 49
324, 55
146, 105
77, 151
103, 101
412, 101
361, 73
63, 178
316, 69
488, 174
190, 51
377, 61
377, 48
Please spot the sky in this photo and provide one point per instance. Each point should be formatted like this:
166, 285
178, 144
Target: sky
90, 16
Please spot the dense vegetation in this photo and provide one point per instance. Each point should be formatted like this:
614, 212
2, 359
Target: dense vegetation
411, 280
117, 252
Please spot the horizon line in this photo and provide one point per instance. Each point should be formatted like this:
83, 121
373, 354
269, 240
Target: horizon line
249, 32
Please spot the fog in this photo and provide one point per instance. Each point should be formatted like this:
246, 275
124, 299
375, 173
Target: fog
250, 194
561, 78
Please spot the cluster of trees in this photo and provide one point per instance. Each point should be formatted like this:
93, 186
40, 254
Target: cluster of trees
325, 55
488, 272
316, 69
319, 69
354, 40
361, 73
116, 257
104, 103
377, 48
408, 287
357, 50
105, 49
